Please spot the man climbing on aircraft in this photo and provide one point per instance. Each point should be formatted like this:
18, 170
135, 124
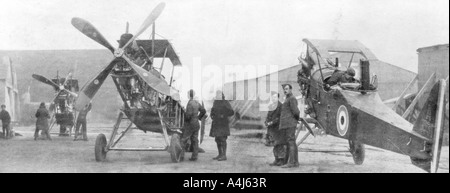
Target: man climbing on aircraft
338, 76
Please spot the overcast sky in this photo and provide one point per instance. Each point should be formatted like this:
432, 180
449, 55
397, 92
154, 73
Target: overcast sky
222, 32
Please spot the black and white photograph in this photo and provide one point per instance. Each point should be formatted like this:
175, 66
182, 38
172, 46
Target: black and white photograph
224, 86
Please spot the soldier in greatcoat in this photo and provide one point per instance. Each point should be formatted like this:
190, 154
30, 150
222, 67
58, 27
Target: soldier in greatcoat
220, 128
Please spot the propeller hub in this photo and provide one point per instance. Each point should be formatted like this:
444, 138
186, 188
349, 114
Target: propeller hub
118, 52
61, 87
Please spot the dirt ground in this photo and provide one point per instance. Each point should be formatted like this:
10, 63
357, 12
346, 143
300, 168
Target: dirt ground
245, 154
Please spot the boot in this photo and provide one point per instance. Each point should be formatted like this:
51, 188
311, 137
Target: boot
286, 155
224, 152
290, 165
276, 162
281, 162
85, 138
36, 134
182, 155
219, 149
293, 156
194, 156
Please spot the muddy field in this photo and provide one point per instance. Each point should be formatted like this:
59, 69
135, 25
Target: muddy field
246, 153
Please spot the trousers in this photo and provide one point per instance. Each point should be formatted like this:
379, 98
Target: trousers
190, 134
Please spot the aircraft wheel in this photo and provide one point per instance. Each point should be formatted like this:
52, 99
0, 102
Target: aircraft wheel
175, 148
100, 148
358, 151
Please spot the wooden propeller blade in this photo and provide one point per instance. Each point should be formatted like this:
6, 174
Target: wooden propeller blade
153, 81
148, 22
90, 31
67, 78
71, 93
45, 80
89, 90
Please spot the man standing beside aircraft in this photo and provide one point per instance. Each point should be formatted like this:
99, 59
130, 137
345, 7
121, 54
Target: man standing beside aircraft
81, 122
273, 124
220, 128
191, 125
42, 116
290, 115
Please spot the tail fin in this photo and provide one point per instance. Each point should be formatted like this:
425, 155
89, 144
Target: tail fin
429, 123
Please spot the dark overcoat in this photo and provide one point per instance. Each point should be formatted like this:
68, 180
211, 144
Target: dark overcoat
42, 116
220, 112
4, 116
274, 116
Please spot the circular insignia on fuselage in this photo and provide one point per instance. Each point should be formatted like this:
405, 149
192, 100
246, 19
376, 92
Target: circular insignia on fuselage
96, 81
145, 74
342, 120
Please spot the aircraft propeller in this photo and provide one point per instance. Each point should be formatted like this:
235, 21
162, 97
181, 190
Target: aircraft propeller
45, 80
58, 87
89, 90
90, 31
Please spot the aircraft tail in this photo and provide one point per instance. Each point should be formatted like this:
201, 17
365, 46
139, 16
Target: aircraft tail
428, 117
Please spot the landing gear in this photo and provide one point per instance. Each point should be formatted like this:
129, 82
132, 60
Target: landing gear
306, 123
175, 148
358, 151
103, 146
100, 148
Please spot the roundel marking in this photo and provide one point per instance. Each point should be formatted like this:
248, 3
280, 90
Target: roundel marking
342, 120
96, 81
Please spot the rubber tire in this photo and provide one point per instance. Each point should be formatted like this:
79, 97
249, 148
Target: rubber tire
100, 148
358, 151
175, 148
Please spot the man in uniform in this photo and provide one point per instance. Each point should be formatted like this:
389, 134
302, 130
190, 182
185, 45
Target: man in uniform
191, 125
81, 121
220, 127
273, 124
290, 115
42, 116
6, 120
338, 76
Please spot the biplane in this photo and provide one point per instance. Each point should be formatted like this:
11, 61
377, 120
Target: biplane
354, 110
149, 101
61, 106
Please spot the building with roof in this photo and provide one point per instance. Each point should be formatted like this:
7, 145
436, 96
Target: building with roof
433, 59
84, 63
9, 93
